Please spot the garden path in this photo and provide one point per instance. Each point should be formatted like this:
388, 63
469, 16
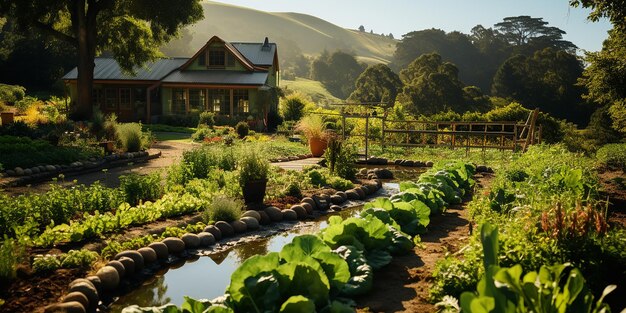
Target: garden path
297, 165
170, 152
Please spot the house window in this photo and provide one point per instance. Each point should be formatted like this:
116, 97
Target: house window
219, 100
196, 100
178, 101
125, 101
202, 59
241, 101
110, 100
230, 60
98, 96
217, 57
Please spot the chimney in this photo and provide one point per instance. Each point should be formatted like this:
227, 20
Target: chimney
266, 44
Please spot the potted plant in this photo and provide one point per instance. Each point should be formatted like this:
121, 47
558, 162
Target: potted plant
253, 177
314, 129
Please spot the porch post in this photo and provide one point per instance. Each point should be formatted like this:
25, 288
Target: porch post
232, 111
186, 100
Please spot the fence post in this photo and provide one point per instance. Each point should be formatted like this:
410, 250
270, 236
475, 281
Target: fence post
382, 139
367, 134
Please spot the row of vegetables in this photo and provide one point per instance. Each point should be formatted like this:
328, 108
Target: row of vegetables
321, 273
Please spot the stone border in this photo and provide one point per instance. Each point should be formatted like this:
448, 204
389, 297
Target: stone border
84, 294
45, 172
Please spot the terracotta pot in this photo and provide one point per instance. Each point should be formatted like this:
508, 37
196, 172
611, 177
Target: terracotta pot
317, 146
254, 191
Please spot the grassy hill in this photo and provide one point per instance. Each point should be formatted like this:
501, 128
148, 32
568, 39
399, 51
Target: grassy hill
294, 33
312, 89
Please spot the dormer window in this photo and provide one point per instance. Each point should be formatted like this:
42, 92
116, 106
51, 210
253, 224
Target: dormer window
217, 57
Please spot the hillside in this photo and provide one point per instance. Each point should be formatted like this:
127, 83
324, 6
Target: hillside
295, 33
311, 89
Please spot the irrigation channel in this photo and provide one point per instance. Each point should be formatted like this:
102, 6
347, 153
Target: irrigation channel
207, 274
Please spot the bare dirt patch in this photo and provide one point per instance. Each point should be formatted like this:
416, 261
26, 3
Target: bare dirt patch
613, 184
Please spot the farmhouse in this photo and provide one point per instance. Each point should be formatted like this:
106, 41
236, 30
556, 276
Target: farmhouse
232, 79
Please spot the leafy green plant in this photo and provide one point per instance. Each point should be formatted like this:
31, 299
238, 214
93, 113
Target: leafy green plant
71, 259
222, 208
412, 216
557, 288
137, 188
339, 183
341, 157
11, 254
252, 167
612, 156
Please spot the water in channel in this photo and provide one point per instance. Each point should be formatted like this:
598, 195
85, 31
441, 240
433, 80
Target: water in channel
208, 276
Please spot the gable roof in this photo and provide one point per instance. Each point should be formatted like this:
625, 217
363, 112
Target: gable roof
107, 69
255, 52
256, 57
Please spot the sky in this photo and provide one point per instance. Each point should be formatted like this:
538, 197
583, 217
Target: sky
402, 16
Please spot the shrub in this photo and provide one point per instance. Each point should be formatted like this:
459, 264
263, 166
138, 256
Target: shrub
187, 120
242, 129
98, 121
23, 105
292, 107
11, 93
341, 157
252, 167
612, 156
203, 132
223, 208
138, 188
110, 127
131, 138
317, 178
207, 119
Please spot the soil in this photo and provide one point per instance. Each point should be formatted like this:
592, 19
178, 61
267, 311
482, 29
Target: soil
408, 278
613, 188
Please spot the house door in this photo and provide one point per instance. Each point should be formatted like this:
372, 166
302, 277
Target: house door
119, 101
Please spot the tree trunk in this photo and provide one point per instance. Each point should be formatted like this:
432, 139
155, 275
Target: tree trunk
85, 33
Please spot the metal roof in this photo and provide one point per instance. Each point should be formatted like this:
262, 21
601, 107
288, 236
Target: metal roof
255, 52
217, 77
108, 69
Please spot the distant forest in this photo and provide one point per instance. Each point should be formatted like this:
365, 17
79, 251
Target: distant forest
521, 58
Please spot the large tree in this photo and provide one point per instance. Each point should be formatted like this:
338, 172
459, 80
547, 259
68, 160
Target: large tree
533, 33
131, 29
547, 80
432, 85
378, 83
337, 71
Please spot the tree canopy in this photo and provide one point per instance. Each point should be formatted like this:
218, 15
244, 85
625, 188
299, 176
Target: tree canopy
533, 32
432, 85
614, 10
131, 30
546, 80
337, 71
378, 83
